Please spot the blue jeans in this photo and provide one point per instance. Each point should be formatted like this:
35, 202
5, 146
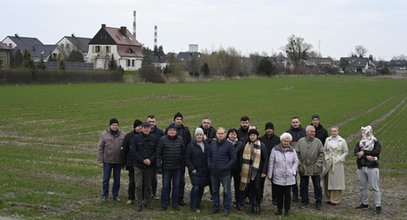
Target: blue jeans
316, 181
216, 181
169, 176
198, 185
107, 170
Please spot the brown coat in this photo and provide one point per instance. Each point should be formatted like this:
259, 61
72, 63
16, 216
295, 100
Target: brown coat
109, 147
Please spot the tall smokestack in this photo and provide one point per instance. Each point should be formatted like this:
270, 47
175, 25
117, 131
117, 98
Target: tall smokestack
134, 25
155, 36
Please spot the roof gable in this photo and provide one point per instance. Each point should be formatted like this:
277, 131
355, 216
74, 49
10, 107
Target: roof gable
79, 42
111, 35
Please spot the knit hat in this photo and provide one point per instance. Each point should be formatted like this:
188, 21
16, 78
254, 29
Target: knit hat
269, 125
113, 120
137, 123
198, 131
253, 131
178, 114
314, 116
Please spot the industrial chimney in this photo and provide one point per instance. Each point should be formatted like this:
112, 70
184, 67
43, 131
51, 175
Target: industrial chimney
155, 36
134, 25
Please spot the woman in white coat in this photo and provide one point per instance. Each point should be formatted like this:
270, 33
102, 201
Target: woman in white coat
335, 149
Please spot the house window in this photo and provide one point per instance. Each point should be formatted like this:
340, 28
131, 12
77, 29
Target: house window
107, 49
67, 46
132, 63
128, 62
97, 49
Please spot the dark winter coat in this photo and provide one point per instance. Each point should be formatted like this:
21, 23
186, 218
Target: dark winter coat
242, 134
158, 133
197, 160
270, 142
321, 133
184, 132
144, 147
209, 133
221, 157
238, 165
363, 162
296, 133
127, 158
170, 153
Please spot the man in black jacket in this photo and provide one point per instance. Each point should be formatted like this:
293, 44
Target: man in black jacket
158, 133
244, 129
297, 132
208, 130
143, 150
170, 161
128, 161
269, 139
184, 132
320, 132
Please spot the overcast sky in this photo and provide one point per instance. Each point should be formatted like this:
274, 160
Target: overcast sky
333, 27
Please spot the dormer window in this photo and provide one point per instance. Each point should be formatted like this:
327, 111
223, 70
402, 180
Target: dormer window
129, 50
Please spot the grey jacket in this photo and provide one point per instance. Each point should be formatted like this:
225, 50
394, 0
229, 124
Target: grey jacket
310, 155
109, 147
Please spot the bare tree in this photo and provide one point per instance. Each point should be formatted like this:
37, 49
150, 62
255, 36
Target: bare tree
297, 50
360, 50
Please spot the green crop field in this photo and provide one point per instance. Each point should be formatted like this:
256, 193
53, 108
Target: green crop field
48, 137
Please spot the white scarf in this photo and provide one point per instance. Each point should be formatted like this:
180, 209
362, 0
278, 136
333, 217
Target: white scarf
368, 139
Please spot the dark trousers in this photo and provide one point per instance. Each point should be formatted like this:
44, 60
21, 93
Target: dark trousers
154, 183
283, 197
198, 185
182, 185
255, 191
143, 178
274, 192
316, 181
294, 188
239, 195
170, 182
131, 193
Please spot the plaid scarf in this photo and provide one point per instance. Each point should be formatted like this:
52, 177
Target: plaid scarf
250, 163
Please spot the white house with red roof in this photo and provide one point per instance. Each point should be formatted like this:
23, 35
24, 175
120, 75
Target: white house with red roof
116, 42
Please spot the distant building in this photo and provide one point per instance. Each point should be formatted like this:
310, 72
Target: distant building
116, 42
35, 47
67, 44
357, 65
5, 56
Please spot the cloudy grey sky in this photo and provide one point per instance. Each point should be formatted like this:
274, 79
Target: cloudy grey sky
334, 27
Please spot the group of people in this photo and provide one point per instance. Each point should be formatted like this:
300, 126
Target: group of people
216, 156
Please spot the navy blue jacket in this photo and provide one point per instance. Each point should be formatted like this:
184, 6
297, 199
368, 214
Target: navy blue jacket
270, 142
221, 157
197, 160
144, 147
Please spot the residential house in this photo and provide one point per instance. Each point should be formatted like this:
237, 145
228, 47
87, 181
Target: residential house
67, 44
398, 66
35, 47
118, 43
357, 65
5, 56
322, 62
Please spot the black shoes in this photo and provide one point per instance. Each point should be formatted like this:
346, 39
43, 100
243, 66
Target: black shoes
182, 203
362, 206
378, 210
318, 206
